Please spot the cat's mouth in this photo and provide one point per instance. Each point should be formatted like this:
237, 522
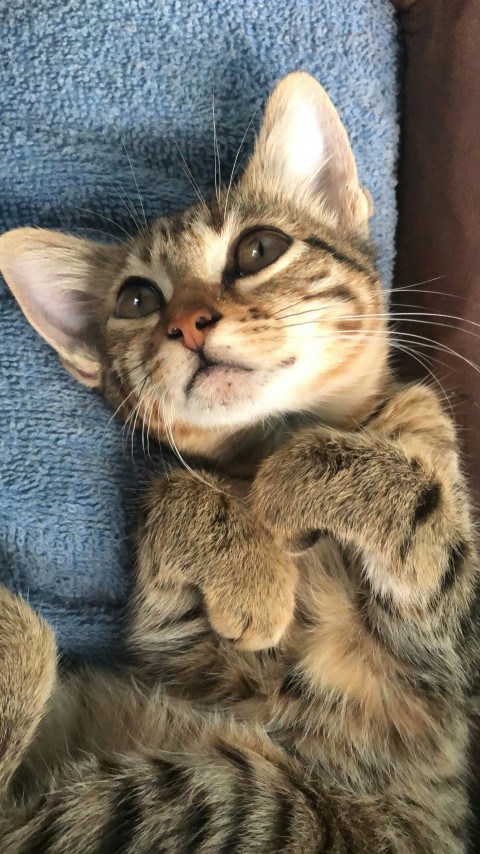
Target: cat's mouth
211, 368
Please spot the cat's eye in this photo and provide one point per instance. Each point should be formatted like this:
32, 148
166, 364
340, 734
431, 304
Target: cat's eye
259, 249
137, 298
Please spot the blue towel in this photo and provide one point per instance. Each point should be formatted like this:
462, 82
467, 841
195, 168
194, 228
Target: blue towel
88, 88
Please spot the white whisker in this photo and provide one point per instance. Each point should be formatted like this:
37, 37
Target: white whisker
119, 408
130, 208
195, 474
411, 352
106, 218
218, 174
410, 316
100, 231
133, 416
138, 407
232, 174
136, 183
188, 173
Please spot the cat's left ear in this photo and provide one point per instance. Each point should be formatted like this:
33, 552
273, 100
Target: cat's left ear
303, 153
60, 282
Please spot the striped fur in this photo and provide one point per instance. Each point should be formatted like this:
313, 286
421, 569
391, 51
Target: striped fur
304, 629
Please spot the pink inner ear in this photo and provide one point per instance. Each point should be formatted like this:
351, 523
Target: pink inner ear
48, 272
46, 297
303, 149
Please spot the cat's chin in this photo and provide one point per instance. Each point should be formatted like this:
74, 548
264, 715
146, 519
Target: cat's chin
219, 379
223, 395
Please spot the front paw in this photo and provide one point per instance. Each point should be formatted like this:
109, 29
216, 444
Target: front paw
281, 494
199, 534
254, 616
291, 494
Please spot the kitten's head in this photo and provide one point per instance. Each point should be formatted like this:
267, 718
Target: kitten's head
262, 302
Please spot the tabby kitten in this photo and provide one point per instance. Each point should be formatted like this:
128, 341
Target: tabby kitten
302, 630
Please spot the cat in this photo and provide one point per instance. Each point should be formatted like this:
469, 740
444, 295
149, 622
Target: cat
303, 634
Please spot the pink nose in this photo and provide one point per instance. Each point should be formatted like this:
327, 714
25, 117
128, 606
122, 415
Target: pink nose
192, 327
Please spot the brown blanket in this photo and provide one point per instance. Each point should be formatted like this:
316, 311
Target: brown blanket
439, 201
439, 215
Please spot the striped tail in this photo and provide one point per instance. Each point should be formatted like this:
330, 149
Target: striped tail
225, 799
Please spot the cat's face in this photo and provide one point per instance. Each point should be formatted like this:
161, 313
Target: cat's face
262, 302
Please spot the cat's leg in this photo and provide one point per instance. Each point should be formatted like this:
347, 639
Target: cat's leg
27, 678
142, 774
383, 650
210, 582
229, 791
393, 495
196, 533
218, 787
393, 489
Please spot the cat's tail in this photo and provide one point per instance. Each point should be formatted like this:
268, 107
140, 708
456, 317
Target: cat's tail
217, 797
27, 676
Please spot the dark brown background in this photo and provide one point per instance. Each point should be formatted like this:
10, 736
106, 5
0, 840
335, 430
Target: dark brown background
439, 197
439, 212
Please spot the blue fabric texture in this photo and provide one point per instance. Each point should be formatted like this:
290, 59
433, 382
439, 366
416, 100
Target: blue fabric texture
88, 85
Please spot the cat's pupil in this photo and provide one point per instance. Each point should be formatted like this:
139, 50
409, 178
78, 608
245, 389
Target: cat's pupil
137, 298
259, 248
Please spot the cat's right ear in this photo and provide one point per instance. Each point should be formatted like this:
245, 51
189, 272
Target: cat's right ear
303, 154
58, 281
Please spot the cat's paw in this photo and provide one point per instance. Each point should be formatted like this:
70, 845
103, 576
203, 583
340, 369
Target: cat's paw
253, 620
279, 493
288, 490
206, 537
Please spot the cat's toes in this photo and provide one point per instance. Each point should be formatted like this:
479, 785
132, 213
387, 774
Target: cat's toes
228, 623
256, 624
266, 633
248, 632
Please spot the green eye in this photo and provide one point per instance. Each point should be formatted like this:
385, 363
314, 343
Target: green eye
258, 249
137, 298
